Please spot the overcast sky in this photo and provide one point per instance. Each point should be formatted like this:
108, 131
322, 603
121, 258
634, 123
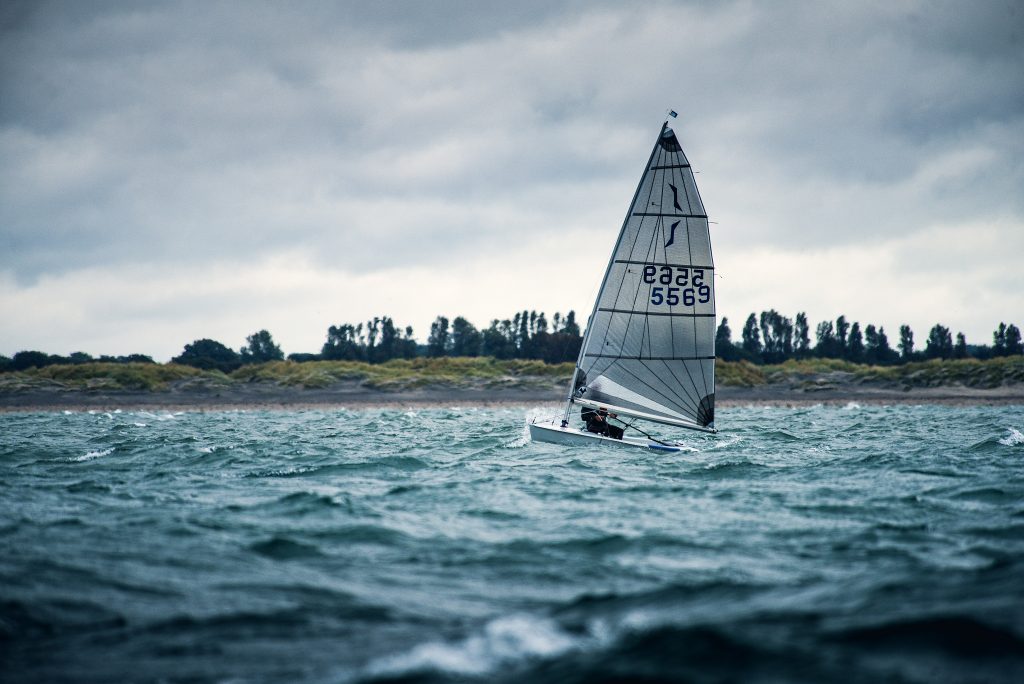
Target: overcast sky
184, 170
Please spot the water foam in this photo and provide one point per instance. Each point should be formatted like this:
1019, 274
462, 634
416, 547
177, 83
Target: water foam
91, 455
504, 641
1013, 439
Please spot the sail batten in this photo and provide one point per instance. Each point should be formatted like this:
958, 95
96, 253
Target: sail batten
693, 216
649, 346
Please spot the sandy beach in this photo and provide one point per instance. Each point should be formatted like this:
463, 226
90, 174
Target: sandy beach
271, 396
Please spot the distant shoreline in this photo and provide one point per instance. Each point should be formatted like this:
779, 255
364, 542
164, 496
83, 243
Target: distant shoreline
263, 397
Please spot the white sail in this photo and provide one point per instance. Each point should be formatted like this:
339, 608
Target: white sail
649, 349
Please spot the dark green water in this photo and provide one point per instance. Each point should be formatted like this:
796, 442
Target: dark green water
820, 544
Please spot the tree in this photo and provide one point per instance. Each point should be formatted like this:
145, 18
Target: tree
408, 344
886, 354
29, 359
208, 354
724, 348
523, 334
842, 330
939, 344
777, 332
960, 348
465, 339
569, 324
1013, 341
871, 344
751, 337
906, 343
391, 345
723, 336
999, 341
437, 343
802, 342
260, 348
855, 344
496, 342
344, 343
827, 346
876, 346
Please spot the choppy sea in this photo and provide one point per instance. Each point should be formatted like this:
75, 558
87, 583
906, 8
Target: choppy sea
855, 544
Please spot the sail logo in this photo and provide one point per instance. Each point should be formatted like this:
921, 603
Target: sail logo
672, 235
675, 197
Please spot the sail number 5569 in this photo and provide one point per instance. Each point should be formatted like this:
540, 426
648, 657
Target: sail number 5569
689, 287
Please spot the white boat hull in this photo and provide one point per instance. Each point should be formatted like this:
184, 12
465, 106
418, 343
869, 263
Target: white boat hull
552, 432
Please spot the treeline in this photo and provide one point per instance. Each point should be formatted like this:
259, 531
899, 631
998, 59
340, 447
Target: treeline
767, 338
24, 360
527, 335
774, 338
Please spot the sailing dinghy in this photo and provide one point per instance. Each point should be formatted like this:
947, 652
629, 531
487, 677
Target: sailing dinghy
649, 350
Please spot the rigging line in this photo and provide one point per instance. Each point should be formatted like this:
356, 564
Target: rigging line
648, 435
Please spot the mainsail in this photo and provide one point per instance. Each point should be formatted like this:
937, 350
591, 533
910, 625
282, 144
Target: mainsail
649, 349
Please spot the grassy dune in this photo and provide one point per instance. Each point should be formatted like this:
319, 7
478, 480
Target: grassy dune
391, 376
490, 373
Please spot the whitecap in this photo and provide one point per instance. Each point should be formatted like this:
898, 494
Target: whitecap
504, 641
519, 442
91, 455
1013, 439
206, 450
851, 406
68, 413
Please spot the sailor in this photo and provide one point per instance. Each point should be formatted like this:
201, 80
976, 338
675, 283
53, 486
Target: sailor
597, 422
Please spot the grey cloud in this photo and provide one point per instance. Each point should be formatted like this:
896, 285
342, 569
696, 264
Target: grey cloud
376, 134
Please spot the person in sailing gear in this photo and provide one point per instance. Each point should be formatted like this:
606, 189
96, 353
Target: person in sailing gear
597, 422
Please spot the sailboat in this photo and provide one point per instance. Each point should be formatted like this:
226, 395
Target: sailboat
648, 354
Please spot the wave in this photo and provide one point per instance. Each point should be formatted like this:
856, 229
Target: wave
504, 642
772, 648
91, 455
283, 548
1015, 438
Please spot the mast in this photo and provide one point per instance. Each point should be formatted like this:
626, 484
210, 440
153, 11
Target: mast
607, 272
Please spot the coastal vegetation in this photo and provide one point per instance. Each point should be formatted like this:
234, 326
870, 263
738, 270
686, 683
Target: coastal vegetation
489, 373
528, 350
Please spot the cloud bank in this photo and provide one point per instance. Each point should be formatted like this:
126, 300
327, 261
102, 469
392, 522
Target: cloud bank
186, 170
